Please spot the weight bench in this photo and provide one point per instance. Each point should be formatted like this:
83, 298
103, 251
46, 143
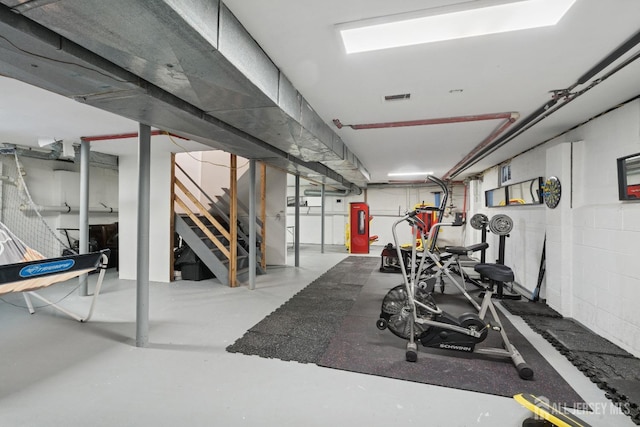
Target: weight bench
498, 275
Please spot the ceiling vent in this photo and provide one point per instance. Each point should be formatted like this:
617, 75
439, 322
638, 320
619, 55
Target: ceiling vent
398, 97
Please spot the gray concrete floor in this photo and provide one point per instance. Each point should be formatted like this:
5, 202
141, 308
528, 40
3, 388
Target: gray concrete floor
58, 372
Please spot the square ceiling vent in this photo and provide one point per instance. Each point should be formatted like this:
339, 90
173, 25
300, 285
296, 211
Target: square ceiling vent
397, 97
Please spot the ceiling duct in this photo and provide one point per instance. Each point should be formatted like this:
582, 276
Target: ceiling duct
54, 151
198, 52
328, 193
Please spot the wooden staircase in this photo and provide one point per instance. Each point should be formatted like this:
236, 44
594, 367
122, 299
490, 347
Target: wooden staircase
208, 232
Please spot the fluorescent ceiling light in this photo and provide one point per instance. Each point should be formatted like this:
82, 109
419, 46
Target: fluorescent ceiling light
412, 29
409, 173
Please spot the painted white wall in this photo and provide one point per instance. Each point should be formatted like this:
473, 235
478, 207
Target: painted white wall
191, 164
103, 189
276, 202
606, 231
559, 284
215, 171
53, 184
592, 237
386, 205
159, 233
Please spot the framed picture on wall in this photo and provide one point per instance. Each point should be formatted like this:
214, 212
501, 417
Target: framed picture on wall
505, 173
629, 177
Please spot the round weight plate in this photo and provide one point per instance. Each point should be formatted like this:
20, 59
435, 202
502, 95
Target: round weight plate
479, 221
501, 225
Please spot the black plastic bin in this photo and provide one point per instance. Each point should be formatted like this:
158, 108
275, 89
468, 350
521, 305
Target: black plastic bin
195, 271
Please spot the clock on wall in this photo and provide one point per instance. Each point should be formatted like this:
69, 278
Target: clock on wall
552, 192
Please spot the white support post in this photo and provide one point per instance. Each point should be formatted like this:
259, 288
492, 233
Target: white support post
252, 224
296, 230
322, 219
142, 265
85, 148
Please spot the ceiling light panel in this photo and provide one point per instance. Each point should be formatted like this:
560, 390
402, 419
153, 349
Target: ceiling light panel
412, 29
410, 173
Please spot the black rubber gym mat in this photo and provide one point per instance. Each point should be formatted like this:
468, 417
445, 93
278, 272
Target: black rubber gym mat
332, 323
529, 308
542, 324
300, 329
607, 367
613, 369
625, 394
586, 341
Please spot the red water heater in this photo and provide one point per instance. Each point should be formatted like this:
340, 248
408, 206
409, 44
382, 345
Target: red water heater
359, 228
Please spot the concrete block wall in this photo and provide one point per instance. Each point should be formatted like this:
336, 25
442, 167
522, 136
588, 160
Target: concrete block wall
593, 239
606, 231
523, 247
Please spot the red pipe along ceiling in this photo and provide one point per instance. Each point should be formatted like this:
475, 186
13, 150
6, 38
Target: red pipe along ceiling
438, 121
493, 135
509, 118
126, 135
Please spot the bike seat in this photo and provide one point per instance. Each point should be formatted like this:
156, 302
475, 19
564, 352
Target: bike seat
497, 272
478, 247
462, 250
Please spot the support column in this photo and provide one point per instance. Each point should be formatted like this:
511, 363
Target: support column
263, 215
233, 221
142, 264
296, 230
252, 224
322, 219
85, 151
172, 218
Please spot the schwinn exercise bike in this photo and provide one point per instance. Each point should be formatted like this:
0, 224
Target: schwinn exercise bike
433, 265
410, 311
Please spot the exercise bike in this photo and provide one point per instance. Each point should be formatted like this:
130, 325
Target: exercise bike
434, 265
410, 312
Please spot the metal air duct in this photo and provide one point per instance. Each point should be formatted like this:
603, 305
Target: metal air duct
198, 52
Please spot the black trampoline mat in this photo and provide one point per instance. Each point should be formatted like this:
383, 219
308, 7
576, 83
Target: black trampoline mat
331, 323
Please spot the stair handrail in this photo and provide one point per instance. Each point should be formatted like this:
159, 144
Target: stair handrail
202, 209
204, 212
213, 204
219, 211
226, 233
